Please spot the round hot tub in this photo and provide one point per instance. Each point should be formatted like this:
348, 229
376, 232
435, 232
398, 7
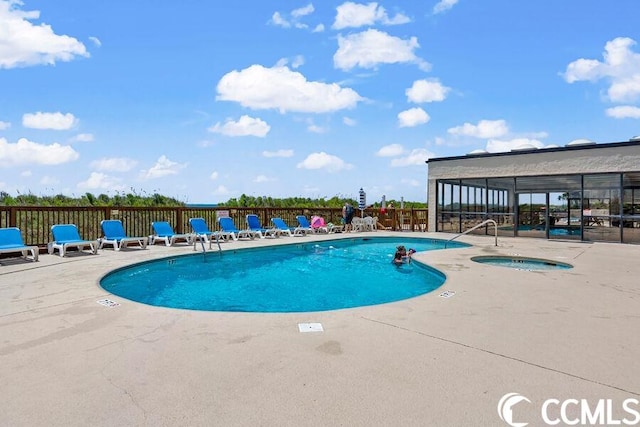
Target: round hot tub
522, 263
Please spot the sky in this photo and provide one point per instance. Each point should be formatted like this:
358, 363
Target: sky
208, 100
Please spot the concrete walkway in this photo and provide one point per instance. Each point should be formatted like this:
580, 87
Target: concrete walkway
66, 360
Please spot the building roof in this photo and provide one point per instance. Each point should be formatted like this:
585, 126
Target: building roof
517, 152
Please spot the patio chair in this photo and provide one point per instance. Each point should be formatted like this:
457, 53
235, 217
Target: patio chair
282, 226
164, 233
304, 224
369, 223
335, 228
202, 232
115, 236
227, 226
11, 241
318, 225
358, 224
66, 236
253, 223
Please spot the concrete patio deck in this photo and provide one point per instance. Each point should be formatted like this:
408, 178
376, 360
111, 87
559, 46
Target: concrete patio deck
428, 361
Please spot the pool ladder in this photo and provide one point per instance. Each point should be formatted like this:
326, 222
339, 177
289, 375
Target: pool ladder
202, 239
483, 223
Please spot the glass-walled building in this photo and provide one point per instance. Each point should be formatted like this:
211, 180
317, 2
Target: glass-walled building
587, 192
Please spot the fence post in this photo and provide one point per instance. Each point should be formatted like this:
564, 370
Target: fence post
179, 214
412, 221
13, 216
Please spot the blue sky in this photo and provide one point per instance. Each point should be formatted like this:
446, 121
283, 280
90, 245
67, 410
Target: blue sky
207, 100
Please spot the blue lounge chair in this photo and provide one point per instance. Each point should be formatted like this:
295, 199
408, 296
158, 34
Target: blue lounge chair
228, 227
304, 224
115, 236
164, 233
66, 236
253, 223
289, 231
202, 233
11, 241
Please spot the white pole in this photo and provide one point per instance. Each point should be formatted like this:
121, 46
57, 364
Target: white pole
401, 213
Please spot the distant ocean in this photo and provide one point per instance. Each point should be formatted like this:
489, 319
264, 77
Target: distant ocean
202, 205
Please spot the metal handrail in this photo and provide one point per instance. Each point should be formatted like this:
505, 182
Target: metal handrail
485, 222
199, 238
202, 239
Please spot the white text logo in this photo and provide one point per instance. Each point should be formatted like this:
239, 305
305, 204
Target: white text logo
574, 412
504, 408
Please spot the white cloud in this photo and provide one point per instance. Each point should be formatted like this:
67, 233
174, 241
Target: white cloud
163, 167
246, 126
205, 143
427, 91
621, 68
263, 178
443, 6
113, 164
325, 161
220, 190
278, 153
4, 125
83, 137
354, 15
25, 44
624, 112
54, 121
315, 190
213, 176
318, 28
412, 117
370, 48
484, 129
534, 135
26, 173
280, 20
417, 157
49, 180
496, 145
100, 181
349, 121
391, 150
411, 182
303, 11
28, 152
96, 41
313, 128
297, 62
279, 88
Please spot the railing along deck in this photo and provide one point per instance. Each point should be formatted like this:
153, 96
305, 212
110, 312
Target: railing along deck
35, 221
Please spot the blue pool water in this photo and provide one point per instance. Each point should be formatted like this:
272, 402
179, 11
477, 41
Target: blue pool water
522, 263
313, 276
554, 231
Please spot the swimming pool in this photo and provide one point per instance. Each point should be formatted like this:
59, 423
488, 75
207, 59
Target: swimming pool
313, 276
522, 263
553, 231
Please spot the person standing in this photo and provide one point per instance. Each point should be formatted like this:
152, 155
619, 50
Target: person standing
347, 216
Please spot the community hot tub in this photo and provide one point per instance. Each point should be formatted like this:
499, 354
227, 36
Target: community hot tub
522, 263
